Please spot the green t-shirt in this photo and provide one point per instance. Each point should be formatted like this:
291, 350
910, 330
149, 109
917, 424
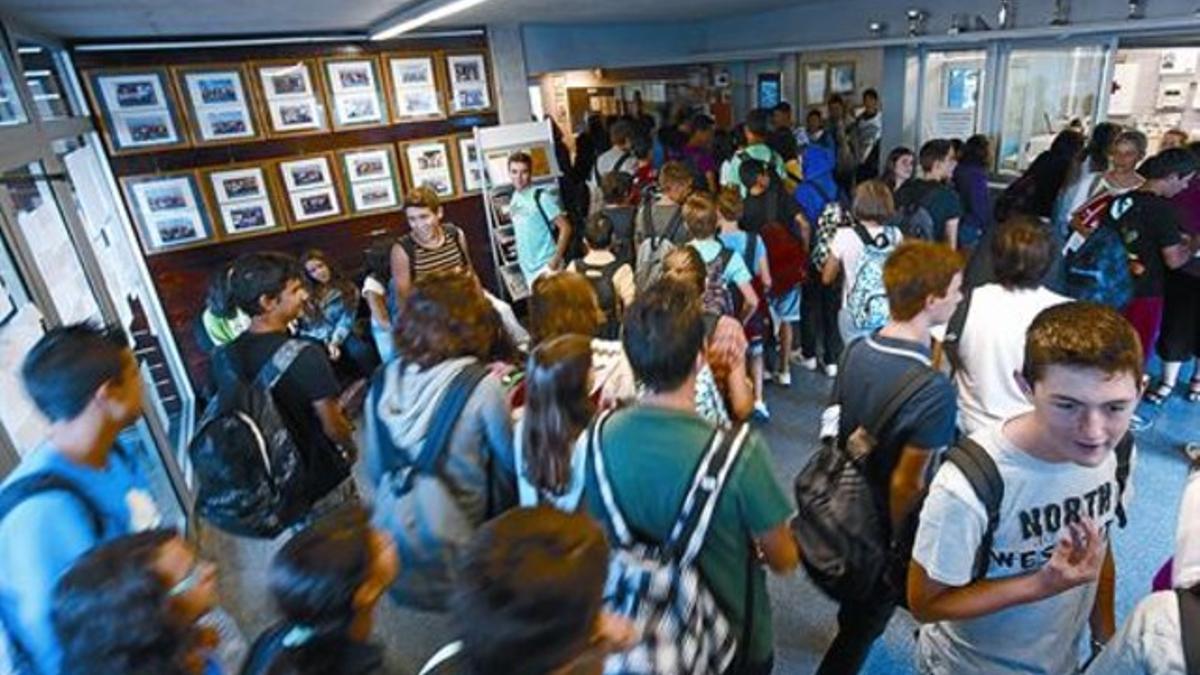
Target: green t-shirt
731, 170
650, 455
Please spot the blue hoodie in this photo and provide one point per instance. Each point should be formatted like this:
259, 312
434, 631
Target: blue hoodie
818, 188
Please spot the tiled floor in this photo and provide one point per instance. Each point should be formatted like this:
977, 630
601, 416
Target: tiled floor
804, 619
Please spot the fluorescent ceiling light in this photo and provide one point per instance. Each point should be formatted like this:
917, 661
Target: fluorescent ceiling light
430, 16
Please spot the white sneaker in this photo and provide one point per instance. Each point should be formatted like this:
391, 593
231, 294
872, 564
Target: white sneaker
784, 378
807, 364
760, 411
768, 375
831, 370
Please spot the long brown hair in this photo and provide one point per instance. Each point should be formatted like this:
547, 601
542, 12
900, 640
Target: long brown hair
557, 409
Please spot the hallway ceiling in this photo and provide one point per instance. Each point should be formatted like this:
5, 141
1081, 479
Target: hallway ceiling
92, 19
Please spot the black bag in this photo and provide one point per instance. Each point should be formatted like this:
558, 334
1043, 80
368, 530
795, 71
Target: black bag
840, 524
913, 217
601, 278
249, 476
1189, 627
13, 495
980, 471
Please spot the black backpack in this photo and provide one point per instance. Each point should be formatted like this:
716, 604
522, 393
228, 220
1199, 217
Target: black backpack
601, 278
840, 526
980, 471
913, 218
12, 496
249, 474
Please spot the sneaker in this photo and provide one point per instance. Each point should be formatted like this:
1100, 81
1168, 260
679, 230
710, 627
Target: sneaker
760, 411
784, 378
807, 364
830, 370
768, 375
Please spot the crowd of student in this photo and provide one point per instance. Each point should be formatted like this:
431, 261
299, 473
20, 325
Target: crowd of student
579, 486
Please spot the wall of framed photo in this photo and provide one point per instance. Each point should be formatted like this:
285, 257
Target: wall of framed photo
221, 152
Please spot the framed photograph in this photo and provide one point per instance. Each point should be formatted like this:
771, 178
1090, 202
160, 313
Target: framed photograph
428, 164
137, 109
1179, 61
841, 78
814, 83
314, 205
218, 106
303, 174
471, 170
354, 91
414, 88
244, 200
469, 83
292, 102
12, 112
370, 178
168, 209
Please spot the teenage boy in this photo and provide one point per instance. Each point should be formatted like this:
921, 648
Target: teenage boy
932, 191
431, 245
814, 128
766, 201
923, 282
619, 157
700, 216
611, 277
618, 193
664, 217
537, 217
1149, 223
651, 449
86, 382
270, 288
698, 155
865, 133
1049, 567
783, 138
757, 130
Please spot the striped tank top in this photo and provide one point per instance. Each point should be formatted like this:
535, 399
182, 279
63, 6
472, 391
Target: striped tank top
447, 256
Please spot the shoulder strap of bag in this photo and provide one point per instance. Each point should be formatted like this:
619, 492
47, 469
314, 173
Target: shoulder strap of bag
625, 157
954, 330
692, 523
374, 428
537, 199
446, 417
283, 358
676, 221
836, 394
613, 512
748, 252
34, 484
910, 383
981, 472
1189, 625
1124, 453
865, 236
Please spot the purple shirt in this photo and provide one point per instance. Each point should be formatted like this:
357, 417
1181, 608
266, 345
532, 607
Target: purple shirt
702, 158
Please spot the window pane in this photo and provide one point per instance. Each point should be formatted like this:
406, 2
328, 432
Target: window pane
953, 86
20, 328
1048, 90
11, 110
42, 76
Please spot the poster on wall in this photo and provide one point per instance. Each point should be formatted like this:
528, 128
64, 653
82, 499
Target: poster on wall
312, 192
355, 92
292, 103
1172, 95
428, 164
469, 165
137, 109
468, 83
841, 78
370, 176
219, 107
168, 209
814, 84
414, 88
770, 90
1125, 83
1178, 61
243, 200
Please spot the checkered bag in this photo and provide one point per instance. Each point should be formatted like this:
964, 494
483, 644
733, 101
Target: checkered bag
658, 586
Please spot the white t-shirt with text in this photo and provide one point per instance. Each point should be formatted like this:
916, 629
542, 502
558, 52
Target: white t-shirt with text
1040, 499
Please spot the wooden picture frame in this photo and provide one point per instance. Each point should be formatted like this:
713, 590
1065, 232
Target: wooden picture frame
310, 199
467, 96
239, 195
291, 95
227, 111
355, 92
420, 170
138, 109
470, 168
170, 211
416, 86
371, 179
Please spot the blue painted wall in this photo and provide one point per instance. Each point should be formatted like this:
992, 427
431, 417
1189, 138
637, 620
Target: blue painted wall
552, 47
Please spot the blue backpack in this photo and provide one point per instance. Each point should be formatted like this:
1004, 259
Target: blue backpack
868, 302
1098, 271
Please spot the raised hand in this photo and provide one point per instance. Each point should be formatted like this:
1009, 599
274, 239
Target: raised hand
1077, 559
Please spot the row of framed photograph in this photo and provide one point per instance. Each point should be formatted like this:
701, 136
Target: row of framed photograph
168, 107
185, 209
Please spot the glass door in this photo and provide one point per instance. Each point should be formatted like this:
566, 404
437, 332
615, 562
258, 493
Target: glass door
952, 94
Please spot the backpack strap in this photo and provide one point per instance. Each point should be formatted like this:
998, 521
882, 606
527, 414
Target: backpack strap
915, 377
283, 358
22, 489
673, 225
1189, 624
450, 407
537, 200
695, 517
748, 252
864, 235
613, 512
954, 330
980, 471
1124, 453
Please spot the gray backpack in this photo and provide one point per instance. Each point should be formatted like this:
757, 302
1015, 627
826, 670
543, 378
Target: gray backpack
416, 504
647, 267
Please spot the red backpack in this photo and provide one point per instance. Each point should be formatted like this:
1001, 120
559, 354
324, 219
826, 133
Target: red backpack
787, 255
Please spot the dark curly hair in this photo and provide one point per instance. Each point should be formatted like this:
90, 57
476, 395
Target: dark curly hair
446, 316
